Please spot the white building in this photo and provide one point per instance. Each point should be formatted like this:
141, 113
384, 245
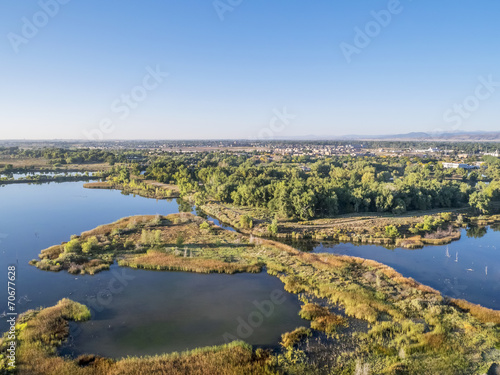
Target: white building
496, 154
459, 165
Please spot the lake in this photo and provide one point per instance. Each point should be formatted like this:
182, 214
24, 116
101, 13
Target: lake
135, 312
17, 176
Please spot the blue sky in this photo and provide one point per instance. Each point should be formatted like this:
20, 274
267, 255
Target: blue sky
67, 74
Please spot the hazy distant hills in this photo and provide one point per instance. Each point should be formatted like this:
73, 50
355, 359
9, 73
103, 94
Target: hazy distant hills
415, 136
422, 136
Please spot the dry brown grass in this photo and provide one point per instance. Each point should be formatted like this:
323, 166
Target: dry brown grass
483, 314
160, 261
98, 185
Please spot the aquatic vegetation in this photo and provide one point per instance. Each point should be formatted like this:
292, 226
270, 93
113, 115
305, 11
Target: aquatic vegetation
368, 228
40, 332
483, 314
178, 242
322, 318
289, 339
143, 188
410, 324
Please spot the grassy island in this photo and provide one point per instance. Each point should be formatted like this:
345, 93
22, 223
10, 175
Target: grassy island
143, 188
180, 242
411, 328
432, 227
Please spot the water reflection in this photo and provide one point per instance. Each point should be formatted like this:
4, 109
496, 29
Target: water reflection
468, 268
476, 231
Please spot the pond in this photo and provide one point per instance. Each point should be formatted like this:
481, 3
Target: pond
17, 176
467, 269
135, 312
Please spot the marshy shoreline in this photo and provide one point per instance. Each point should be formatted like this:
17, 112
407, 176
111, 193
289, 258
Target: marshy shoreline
416, 316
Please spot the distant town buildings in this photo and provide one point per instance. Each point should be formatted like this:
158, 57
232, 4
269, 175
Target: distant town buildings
430, 150
459, 165
496, 154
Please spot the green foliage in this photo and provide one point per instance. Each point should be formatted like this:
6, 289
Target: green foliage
246, 222
179, 241
447, 216
273, 227
151, 238
90, 245
73, 246
307, 187
156, 220
391, 231
289, 339
205, 226
428, 225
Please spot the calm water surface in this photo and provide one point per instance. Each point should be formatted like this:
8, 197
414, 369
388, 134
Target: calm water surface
138, 312
135, 312
468, 268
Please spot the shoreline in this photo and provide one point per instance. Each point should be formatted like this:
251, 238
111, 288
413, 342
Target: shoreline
363, 289
149, 189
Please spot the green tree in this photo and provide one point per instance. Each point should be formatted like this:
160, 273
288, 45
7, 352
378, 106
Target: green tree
90, 245
73, 246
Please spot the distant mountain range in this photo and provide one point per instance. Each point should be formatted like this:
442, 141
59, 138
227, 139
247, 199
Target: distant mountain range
414, 136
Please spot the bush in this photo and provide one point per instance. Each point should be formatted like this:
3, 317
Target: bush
289, 339
446, 216
246, 222
273, 227
179, 241
156, 220
151, 238
205, 226
73, 246
90, 245
391, 231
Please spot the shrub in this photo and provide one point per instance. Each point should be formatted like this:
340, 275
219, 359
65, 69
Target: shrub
273, 227
73, 246
179, 241
246, 222
446, 216
391, 231
205, 226
151, 238
156, 220
289, 339
90, 245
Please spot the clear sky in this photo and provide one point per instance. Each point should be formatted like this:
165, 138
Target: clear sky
246, 68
